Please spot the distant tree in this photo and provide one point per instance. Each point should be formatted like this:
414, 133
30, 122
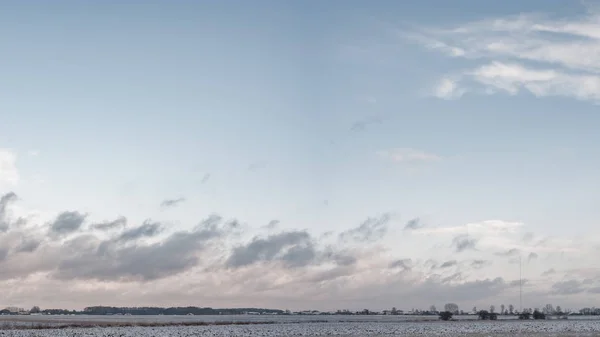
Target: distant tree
511, 309
35, 310
433, 309
451, 307
559, 310
538, 315
474, 310
525, 315
492, 308
483, 315
502, 309
446, 315
394, 311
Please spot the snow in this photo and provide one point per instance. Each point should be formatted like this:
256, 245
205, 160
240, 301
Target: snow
464, 328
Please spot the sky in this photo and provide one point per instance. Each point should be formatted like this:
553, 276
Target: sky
299, 155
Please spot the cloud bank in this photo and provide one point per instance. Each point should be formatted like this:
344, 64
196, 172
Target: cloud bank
221, 263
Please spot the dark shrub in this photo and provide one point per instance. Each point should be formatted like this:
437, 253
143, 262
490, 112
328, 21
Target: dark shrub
524, 315
445, 315
539, 315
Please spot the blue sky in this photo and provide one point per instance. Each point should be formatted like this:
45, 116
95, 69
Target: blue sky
318, 115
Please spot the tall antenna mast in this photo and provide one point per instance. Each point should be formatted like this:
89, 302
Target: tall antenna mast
520, 285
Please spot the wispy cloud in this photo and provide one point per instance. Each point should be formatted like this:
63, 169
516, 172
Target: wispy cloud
9, 175
408, 155
171, 202
529, 52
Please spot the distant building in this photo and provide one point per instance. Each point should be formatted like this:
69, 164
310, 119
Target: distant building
15, 310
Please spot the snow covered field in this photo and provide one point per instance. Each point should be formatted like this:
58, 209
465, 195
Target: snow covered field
355, 329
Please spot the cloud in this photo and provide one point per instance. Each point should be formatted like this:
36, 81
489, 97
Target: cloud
294, 249
9, 175
87, 257
405, 264
510, 253
532, 256
205, 178
28, 246
351, 268
370, 230
67, 222
272, 224
549, 272
448, 264
538, 54
120, 222
147, 229
5, 201
567, 287
478, 264
487, 227
414, 224
408, 155
171, 202
463, 242
449, 89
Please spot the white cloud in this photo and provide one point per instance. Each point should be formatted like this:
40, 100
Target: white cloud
489, 227
9, 175
448, 88
408, 155
530, 53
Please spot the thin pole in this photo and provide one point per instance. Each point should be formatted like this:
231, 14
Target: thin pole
520, 285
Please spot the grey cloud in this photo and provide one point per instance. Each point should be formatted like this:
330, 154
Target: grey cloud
3, 254
171, 202
293, 248
405, 264
452, 278
449, 264
516, 283
340, 258
511, 252
370, 230
147, 229
430, 263
532, 256
205, 178
272, 224
463, 242
477, 264
87, 257
595, 290
28, 246
4, 202
567, 287
413, 224
108, 225
528, 237
67, 222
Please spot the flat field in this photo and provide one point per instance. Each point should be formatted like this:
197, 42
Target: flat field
472, 328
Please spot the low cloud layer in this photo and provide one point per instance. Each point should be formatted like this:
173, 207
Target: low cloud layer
276, 266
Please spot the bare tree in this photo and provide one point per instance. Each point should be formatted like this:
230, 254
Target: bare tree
432, 309
502, 309
511, 309
451, 307
492, 308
